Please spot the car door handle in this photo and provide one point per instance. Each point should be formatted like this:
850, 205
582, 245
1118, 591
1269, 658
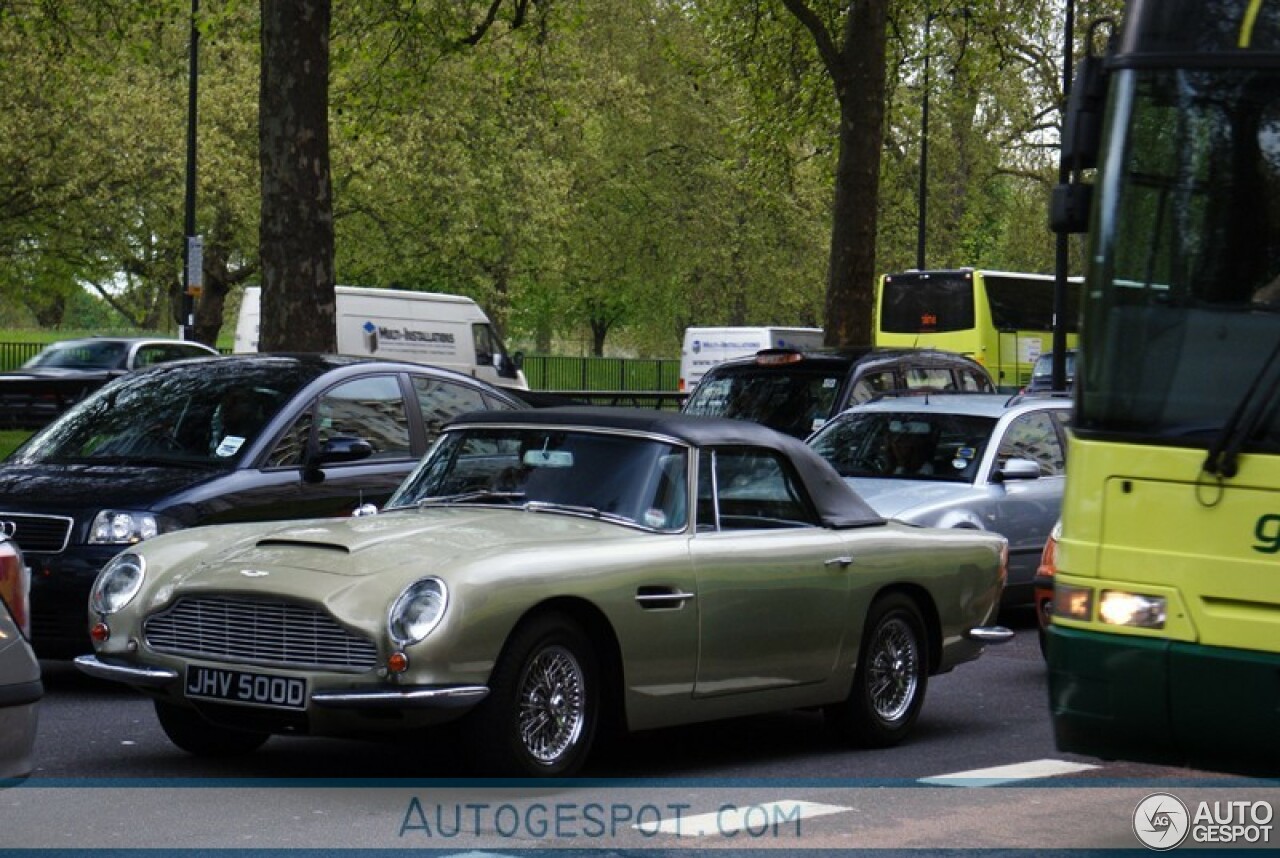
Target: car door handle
661, 598
843, 562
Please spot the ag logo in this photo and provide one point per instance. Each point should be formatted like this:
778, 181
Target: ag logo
1161, 821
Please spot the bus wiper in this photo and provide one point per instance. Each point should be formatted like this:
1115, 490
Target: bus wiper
1244, 420
465, 497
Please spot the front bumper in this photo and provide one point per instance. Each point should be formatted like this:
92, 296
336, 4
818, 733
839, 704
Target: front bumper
1118, 696
383, 697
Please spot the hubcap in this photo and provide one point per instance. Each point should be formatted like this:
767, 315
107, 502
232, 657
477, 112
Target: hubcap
893, 670
552, 705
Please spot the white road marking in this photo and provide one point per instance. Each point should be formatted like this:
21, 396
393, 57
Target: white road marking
731, 818
1046, 768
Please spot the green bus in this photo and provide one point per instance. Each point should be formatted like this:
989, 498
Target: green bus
1002, 319
1164, 644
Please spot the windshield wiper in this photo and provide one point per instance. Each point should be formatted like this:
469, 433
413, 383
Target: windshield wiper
589, 511
139, 461
465, 497
1244, 420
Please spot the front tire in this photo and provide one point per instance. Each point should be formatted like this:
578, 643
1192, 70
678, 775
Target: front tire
187, 729
891, 677
540, 717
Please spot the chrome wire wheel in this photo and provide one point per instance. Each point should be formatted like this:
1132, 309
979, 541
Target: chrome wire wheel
552, 707
893, 669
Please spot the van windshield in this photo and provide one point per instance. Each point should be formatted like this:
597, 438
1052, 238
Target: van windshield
795, 399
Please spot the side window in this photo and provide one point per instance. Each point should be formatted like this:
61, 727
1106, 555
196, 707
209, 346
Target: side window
972, 381
440, 401
754, 488
1033, 436
1062, 419
369, 408
487, 344
928, 377
871, 384
291, 449
148, 355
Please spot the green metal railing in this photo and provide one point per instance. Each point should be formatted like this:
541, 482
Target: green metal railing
544, 372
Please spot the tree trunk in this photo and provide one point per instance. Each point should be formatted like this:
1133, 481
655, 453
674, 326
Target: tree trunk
296, 234
599, 330
219, 279
852, 270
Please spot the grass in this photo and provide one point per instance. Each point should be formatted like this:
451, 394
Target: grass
10, 439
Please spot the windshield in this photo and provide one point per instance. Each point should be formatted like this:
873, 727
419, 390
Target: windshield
179, 415
905, 445
791, 399
927, 303
623, 478
1185, 279
81, 355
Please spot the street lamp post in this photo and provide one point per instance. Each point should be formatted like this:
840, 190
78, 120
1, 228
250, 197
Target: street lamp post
1062, 247
922, 196
192, 251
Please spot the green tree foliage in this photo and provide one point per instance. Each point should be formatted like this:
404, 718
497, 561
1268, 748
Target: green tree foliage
598, 175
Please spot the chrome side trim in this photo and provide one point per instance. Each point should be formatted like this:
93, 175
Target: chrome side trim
150, 677
412, 697
990, 634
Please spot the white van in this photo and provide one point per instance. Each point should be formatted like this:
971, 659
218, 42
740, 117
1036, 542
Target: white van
423, 327
705, 347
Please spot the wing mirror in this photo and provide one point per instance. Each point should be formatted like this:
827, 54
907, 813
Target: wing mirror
1019, 469
340, 448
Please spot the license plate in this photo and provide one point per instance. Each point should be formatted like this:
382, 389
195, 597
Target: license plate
238, 686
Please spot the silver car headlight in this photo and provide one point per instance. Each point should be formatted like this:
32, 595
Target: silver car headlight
125, 527
417, 610
117, 583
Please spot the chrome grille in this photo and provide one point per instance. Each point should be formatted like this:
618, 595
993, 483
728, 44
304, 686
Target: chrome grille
37, 534
258, 631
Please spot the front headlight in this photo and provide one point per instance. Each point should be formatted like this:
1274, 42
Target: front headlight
124, 527
417, 610
117, 583
1132, 609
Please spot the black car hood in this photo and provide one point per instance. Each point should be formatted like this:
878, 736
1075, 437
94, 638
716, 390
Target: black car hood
69, 487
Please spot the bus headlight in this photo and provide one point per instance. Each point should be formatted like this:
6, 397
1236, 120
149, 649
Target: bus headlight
1072, 603
1132, 609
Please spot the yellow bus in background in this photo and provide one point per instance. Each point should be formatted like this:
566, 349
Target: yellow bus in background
1002, 319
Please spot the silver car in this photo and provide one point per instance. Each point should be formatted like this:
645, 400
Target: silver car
20, 685
977, 461
544, 573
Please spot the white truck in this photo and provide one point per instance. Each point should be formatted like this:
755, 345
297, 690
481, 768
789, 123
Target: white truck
705, 347
423, 327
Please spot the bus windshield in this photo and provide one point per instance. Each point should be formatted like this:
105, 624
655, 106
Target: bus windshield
1186, 259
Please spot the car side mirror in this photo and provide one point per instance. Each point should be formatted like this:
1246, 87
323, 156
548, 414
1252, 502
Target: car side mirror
1019, 469
337, 449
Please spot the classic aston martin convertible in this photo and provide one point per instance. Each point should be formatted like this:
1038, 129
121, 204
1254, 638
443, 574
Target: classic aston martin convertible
542, 573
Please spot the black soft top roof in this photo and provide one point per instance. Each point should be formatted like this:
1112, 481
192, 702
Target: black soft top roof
837, 504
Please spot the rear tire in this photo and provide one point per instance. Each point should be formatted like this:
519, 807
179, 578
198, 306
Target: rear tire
891, 677
187, 729
543, 708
